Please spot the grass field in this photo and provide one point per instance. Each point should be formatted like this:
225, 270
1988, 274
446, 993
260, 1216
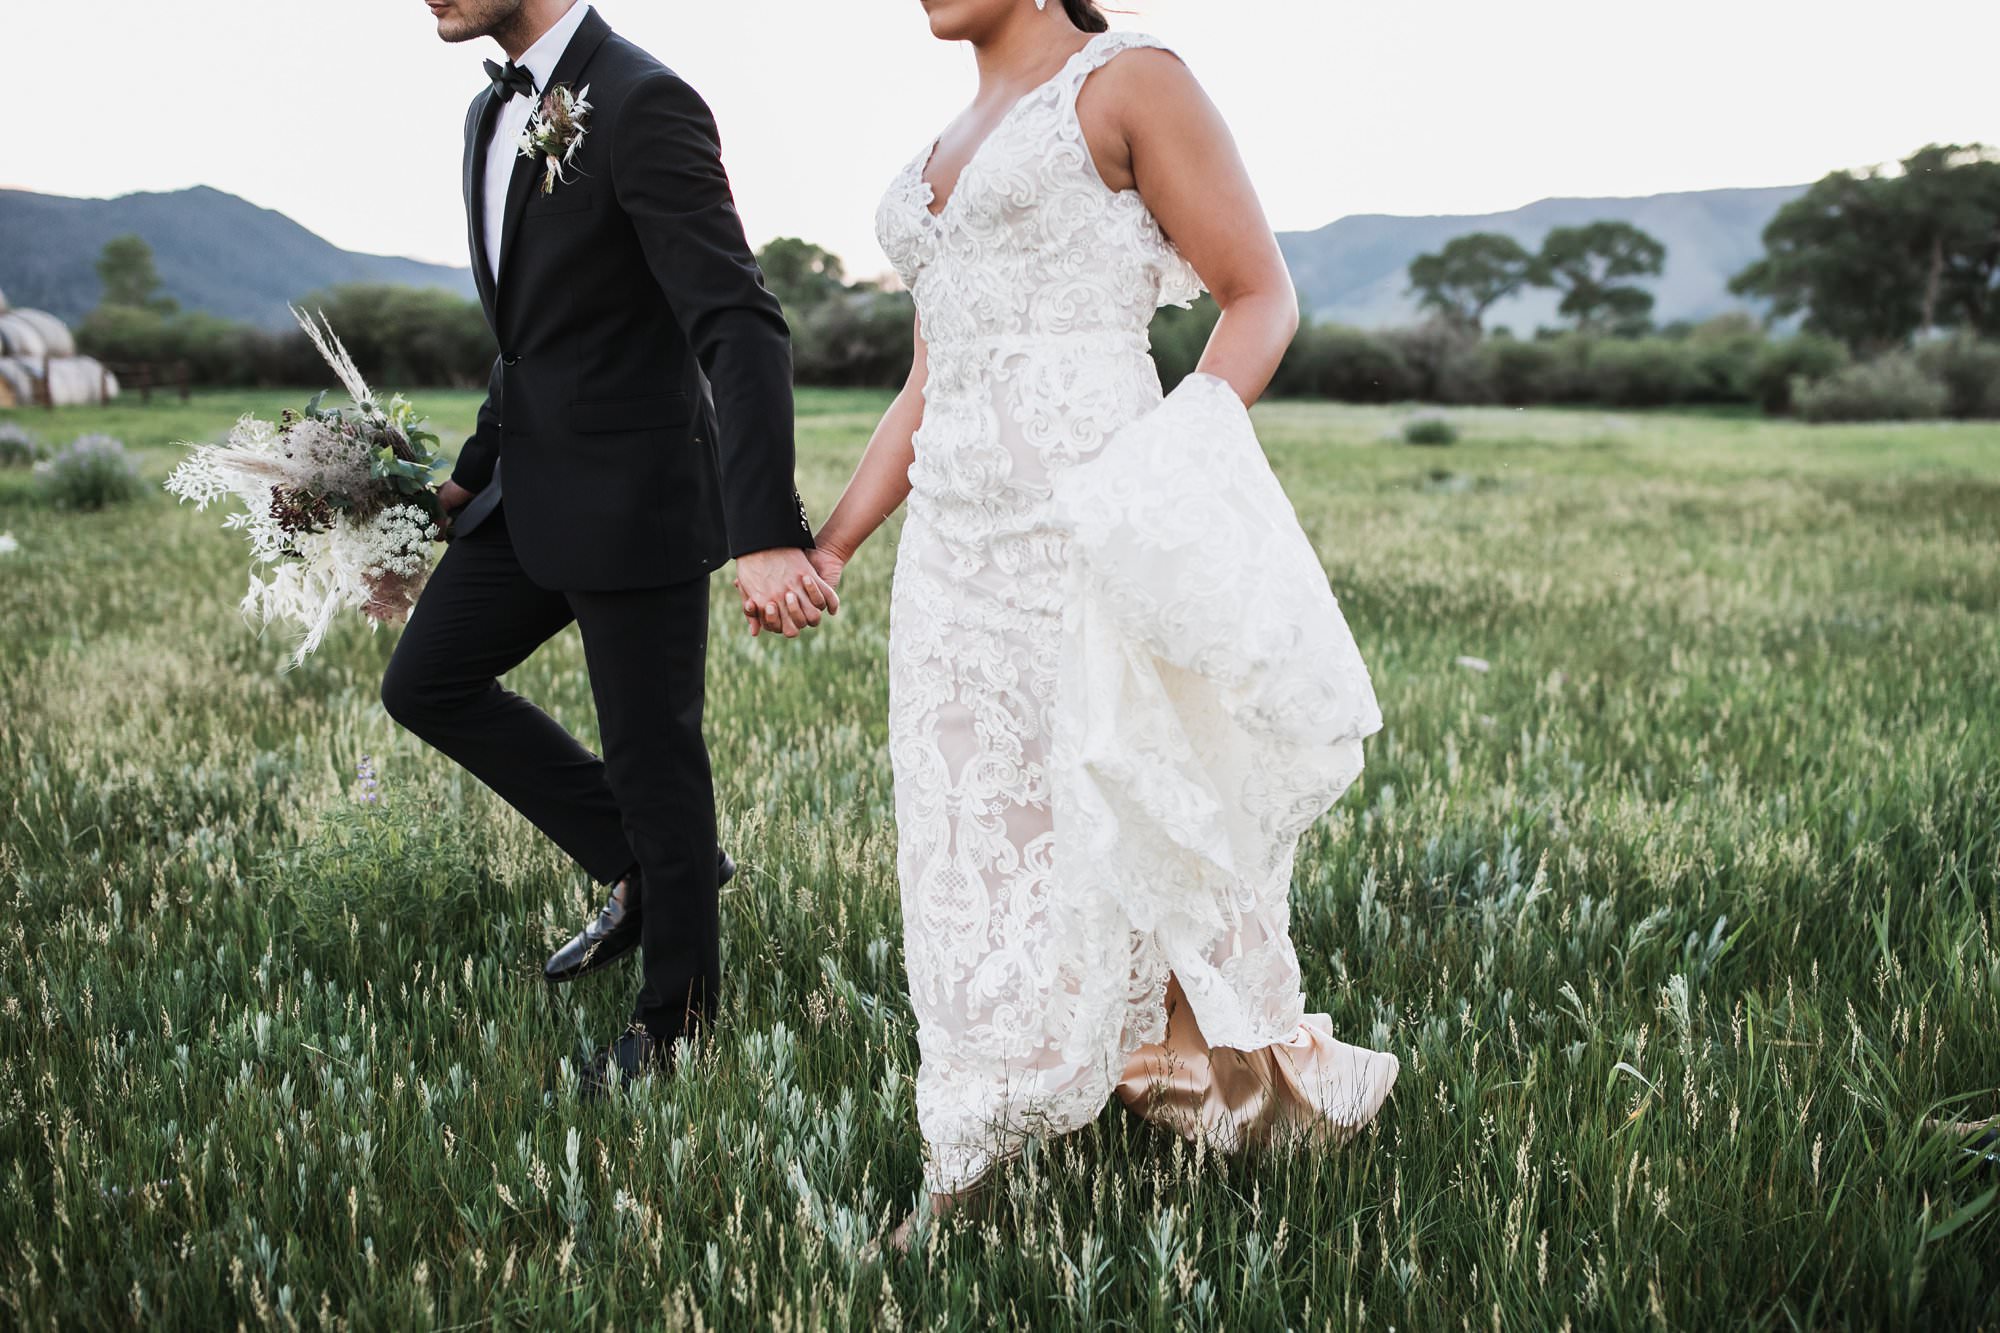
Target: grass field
1682, 916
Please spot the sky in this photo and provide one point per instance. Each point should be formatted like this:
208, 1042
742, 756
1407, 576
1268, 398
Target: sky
346, 114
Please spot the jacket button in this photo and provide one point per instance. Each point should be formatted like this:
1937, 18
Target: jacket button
510, 360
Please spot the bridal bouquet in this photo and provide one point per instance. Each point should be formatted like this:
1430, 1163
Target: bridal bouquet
337, 502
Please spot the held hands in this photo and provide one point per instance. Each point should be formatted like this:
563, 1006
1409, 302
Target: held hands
784, 592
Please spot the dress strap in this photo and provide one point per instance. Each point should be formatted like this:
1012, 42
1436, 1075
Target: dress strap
1105, 48
1179, 283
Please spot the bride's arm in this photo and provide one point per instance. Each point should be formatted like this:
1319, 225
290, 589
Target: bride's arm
880, 483
1151, 127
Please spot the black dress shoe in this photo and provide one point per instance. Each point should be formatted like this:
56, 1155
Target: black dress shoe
635, 1055
615, 932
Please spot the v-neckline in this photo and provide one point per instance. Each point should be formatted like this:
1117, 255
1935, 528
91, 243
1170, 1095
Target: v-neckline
937, 210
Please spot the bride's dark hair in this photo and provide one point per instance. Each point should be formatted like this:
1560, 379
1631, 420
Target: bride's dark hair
1087, 16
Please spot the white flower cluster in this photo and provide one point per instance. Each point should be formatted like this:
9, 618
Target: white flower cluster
399, 542
250, 466
247, 465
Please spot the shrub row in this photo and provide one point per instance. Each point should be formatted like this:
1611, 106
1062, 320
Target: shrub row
401, 337
404, 338
1728, 361
863, 337
1960, 378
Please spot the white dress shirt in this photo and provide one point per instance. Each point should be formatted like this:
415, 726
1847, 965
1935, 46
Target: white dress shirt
504, 149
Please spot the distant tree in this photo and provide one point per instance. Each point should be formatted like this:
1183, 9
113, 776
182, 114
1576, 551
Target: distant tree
1951, 196
1872, 257
1469, 275
801, 274
863, 339
1840, 254
129, 277
1586, 264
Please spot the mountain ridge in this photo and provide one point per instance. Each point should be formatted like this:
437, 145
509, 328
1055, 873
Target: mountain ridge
1355, 270
222, 254
216, 252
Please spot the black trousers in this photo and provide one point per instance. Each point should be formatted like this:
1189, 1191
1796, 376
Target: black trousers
648, 803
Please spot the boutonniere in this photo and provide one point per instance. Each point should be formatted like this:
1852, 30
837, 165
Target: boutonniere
556, 131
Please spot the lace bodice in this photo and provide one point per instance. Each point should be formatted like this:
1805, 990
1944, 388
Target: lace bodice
1031, 218
1034, 285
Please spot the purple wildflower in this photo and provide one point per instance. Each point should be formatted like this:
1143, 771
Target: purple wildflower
368, 788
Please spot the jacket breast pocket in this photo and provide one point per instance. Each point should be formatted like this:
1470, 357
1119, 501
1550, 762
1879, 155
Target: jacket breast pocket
574, 197
660, 411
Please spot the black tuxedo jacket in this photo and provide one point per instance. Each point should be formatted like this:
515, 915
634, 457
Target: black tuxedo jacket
640, 411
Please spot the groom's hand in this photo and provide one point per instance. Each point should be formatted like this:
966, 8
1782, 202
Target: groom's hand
452, 497
782, 592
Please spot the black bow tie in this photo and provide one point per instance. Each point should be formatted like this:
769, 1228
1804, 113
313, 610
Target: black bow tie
513, 79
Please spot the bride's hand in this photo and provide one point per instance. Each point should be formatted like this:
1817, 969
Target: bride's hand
827, 565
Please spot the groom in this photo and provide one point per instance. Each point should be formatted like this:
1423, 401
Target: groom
641, 413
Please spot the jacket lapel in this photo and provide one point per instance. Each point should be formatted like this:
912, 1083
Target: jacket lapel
589, 35
519, 186
479, 128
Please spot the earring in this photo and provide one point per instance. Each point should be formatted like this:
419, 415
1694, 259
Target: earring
1042, 5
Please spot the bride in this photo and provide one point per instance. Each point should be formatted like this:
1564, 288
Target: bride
1119, 686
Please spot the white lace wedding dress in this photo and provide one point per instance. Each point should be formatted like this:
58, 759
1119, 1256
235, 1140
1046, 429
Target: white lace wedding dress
1120, 688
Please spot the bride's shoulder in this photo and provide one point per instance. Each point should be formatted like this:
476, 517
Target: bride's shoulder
1136, 68
1120, 40
1135, 57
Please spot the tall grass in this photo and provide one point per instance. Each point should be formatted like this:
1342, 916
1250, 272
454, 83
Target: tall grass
1683, 917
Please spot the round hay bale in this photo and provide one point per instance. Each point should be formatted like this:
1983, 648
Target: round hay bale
19, 337
56, 337
64, 387
3, 303
76, 381
17, 382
